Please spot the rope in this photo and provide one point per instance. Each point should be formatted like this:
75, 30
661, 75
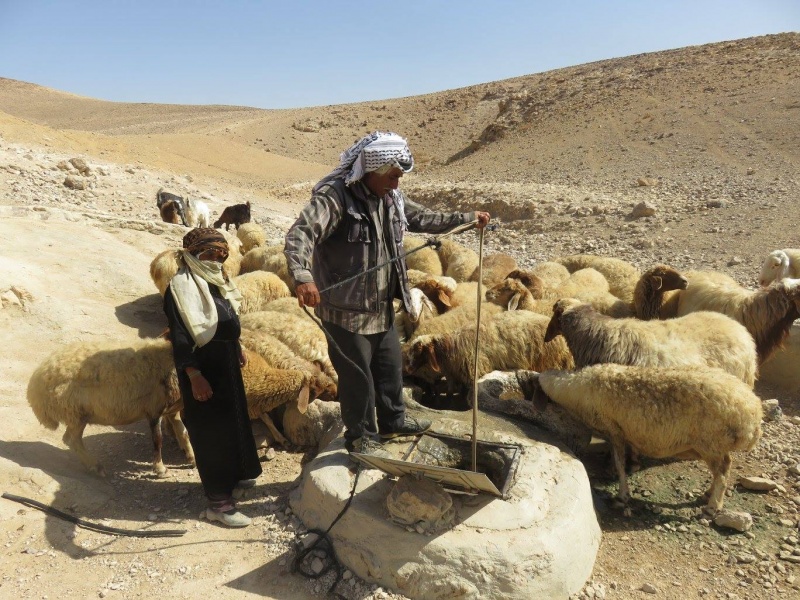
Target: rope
327, 550
93, 526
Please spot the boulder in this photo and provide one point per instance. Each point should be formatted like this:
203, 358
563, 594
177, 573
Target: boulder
541, 541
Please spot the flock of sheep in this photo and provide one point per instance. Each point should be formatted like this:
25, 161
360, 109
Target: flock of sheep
660, 363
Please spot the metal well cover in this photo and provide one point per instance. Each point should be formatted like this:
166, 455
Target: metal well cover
465, 481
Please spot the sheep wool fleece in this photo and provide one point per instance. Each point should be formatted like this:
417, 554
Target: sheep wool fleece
219, 428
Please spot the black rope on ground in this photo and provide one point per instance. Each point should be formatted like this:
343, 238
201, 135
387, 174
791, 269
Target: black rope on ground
327, 550
93, 526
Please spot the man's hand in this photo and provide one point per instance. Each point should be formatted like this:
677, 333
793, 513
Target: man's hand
483, 219
307, 294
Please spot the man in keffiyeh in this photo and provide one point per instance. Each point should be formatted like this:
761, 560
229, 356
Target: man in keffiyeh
201, 305
355, 221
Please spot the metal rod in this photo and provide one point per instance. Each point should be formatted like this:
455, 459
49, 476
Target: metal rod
475, 366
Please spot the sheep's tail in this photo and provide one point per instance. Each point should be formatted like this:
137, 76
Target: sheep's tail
40, 398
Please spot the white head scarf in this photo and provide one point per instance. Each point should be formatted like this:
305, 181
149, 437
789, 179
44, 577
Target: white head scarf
369, 154
193, 298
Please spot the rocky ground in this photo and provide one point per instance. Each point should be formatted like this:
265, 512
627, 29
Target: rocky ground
707, 180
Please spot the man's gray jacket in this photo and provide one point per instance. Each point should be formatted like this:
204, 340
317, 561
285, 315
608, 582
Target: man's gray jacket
345, 230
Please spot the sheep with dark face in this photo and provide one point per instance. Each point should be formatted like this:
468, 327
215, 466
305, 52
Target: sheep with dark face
703, 414
704, 339
767, 313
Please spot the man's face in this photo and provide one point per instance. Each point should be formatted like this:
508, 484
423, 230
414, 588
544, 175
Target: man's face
380, 185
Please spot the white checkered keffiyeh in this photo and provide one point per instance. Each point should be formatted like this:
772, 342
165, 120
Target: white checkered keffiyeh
369, 154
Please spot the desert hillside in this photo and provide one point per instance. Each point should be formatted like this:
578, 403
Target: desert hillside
687, 157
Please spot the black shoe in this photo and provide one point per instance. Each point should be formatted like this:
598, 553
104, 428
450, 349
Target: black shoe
366, 445
411, 426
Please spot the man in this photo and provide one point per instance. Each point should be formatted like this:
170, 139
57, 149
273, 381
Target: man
355, 221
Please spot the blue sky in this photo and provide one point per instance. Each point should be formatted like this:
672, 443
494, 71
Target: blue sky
293, 53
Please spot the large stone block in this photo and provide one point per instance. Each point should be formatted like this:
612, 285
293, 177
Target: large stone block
540, 542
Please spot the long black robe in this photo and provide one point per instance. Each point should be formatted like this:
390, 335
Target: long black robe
219, 428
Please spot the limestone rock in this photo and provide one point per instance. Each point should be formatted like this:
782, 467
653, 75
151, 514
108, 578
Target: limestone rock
539, 542
740, 521
757, 483
643, 209
420, 501
74, 183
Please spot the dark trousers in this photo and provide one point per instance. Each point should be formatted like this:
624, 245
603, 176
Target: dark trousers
370, 370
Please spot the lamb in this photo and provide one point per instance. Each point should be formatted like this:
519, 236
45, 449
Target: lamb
300, 333
197, 213
422, 310
509, 341
779, 265
278, 355
766, 313
458, 261
437, 288
703, 339
236, 215
252, 236
621, 276
661, 412
268, 258
426, 260
496, 268
258, 289
171, 207
105, 383
267, 388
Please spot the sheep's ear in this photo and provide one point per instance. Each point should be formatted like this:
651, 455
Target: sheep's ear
514, 302
444, 298
434, 364
658, 283
302, 399
525, 279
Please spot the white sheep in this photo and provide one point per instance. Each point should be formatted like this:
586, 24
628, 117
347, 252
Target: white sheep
692, 414
288, 305
252, 235
300, 333
105, 383
458, 261
508, 341
621, 276
422, 309
766, 313
258, 289
425, 260
197, 213
778, 265
703, 339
